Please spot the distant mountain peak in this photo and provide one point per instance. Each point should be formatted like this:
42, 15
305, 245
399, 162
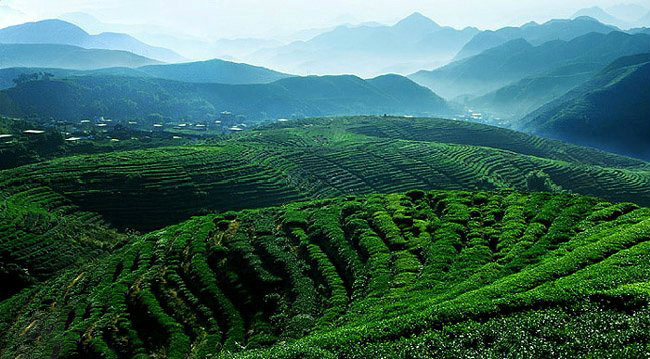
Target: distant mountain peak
49, 26
56, 31
417, 21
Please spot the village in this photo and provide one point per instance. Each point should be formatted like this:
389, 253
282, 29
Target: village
104, 129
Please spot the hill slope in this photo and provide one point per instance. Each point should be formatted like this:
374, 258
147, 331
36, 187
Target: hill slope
67, 57
64, 33
611, 111
518, 59
323, 158
419, 275
522, 97
534, 33
126, 98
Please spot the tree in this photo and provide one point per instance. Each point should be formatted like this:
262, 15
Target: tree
539, 181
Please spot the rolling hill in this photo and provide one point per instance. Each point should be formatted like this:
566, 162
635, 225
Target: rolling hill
533, 33
64, 212
64, 33
414, 275
610, 112
413, 43
518, 59
321, 158
67, 57
126, 98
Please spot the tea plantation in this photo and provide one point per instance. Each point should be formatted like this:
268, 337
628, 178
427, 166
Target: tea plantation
323, 158
441, 274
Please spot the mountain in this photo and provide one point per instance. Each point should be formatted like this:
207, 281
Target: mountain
518, 59
187, 46
610, 112
65, 33
412, 43
138, 97
519, 98
601, 15
534, 33
67, 57
214, 71
639, 30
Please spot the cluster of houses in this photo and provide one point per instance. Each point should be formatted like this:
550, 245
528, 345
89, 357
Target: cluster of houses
107, 129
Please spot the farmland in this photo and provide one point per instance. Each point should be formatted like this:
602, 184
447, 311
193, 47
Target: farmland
448, 274
409, 235
323, 158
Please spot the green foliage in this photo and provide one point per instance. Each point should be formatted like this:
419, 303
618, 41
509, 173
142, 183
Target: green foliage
539, 181
417, 275
323, 158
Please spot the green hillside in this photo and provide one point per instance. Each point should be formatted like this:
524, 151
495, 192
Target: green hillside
322, 158
128, 98
610, 112
415, 275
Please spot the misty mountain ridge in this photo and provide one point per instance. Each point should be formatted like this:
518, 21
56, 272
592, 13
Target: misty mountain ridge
519, 59
64, 33
410, 44
67, 57
536, 34
609, 112
603, 16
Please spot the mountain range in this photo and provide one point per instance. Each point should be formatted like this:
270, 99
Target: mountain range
65, 33
624, 16
213, 71
413, 43
519, 59
534, 33
68, 63
67, 57
610, 112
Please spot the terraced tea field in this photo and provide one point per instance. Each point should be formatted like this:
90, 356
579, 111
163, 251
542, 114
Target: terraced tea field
321, 158
442, 274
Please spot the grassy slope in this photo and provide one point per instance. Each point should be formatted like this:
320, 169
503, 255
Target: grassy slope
415, 275
323, 158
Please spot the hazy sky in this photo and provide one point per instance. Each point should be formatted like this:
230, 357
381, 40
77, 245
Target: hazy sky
271, 18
